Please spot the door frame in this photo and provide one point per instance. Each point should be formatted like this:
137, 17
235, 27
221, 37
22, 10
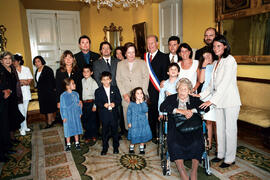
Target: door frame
30, 29
177, 19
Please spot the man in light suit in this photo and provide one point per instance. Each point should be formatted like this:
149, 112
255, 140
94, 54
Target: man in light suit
131, 73
159, 63
105, 63
85, 56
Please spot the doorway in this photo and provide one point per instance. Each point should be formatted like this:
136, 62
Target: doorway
51, 33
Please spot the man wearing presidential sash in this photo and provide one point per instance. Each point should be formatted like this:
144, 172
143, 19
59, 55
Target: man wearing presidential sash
157, 64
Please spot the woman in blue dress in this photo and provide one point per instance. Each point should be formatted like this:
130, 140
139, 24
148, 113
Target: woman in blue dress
139, 130
71, 112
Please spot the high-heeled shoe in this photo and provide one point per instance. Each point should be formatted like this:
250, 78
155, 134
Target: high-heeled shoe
216, 160
225, 165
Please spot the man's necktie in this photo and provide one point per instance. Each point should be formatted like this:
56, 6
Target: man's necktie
108, 64
151, 58
172, 60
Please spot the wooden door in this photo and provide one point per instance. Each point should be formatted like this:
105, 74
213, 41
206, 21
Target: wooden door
51, 33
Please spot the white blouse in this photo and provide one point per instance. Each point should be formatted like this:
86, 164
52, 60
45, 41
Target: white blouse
25, 74
190, 73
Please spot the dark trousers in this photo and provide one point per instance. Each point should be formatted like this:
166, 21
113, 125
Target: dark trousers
109, 128
153, 118
153, 110
121, 119
89, 121
4, 127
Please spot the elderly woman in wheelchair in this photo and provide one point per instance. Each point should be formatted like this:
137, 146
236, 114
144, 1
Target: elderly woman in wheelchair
185, 135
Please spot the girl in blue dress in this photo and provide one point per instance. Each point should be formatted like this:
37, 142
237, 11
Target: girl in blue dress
139, 130
206, 65
71, 111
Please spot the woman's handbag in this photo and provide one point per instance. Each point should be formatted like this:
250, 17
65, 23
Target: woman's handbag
185, 125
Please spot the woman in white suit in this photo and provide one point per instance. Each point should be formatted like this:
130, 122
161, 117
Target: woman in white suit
225, 96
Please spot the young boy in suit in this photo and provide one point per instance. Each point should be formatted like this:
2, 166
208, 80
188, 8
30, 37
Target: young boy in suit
107, 98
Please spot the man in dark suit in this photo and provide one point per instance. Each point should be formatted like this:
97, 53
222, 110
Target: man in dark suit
105, 63
159, 63
85, 56
107, 99
173, 44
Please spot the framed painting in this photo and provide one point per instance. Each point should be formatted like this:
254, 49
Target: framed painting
265, 1
234, 5
3, 39
139, 31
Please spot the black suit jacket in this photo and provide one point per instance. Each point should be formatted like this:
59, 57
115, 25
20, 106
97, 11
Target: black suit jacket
171, 102
100, 66
60, 76
46, 90
101, 99
81, 61
160, 65
46, 82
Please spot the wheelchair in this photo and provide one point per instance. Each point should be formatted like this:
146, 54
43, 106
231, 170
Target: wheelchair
162, 149
205, 156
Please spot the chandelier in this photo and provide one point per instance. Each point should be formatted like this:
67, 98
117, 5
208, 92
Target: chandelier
110, 3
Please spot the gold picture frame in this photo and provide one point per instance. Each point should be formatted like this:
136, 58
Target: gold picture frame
139, 31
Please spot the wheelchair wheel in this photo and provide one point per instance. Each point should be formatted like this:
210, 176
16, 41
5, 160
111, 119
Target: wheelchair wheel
164, 167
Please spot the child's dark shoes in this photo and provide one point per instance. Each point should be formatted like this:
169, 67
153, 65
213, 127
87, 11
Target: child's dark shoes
78, 147
68, 148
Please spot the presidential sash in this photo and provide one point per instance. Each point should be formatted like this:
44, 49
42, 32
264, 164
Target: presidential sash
153, 78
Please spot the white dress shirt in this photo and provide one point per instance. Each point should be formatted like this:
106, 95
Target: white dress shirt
175, 60
107, 90
153, 55
109, 60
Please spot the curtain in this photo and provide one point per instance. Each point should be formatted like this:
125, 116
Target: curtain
267, 38
257, 34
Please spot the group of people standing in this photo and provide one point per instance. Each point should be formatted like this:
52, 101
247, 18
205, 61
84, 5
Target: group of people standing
127, 92
15, 94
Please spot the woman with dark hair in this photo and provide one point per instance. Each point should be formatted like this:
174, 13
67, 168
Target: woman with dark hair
226, 98
119, 53
131, 73
15, 118
44, 78
188, 67
25, 78
68, 69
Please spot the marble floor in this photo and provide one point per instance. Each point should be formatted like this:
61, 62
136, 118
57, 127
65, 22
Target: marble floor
50, 161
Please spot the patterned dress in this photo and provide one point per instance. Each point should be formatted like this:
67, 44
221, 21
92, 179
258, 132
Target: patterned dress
71, 110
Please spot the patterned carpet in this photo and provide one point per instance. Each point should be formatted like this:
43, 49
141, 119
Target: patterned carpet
19, 164
49, 161
124, 166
